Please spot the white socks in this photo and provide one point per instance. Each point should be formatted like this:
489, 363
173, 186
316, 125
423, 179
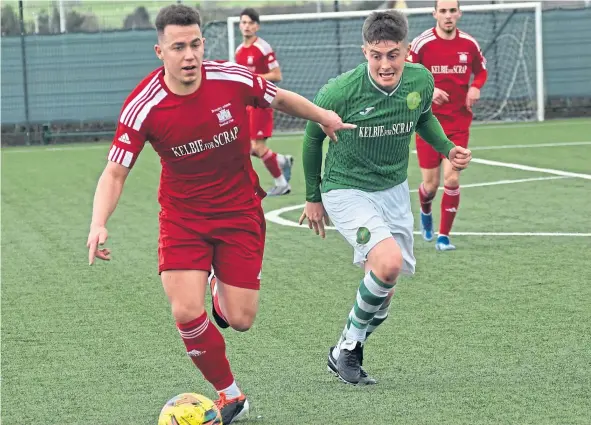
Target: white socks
280, 181
232, 391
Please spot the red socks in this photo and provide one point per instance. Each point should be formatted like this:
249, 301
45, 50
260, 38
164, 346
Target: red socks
207, 349
270, 160
449, 207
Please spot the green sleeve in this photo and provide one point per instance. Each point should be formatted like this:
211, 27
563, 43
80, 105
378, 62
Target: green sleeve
312, 149
428, 126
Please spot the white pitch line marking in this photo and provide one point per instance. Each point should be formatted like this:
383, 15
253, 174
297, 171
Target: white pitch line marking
526, 146
489, 126
500, 182
275, 215
529, 146
529, 168
37, 149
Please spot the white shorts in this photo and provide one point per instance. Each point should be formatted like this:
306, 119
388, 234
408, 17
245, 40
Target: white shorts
367, 218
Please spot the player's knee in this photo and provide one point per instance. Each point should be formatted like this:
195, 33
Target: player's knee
258, 148
184, 312
388, 269
431, 187
452, 180
242, 320
386, 261
431, 183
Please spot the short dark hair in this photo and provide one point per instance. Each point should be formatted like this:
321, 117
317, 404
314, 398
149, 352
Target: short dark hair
252, 14
177, 14
437, 2
387, 25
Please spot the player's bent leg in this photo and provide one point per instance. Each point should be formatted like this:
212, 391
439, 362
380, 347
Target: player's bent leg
450, 203
286, 164
393, 256
429, 161
238, 259
239, 305
270, 159
383, 265
258, 147
357, 216
204, 342
398, 215
427, 192
216, 309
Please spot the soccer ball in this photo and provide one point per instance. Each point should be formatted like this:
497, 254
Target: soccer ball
190, 409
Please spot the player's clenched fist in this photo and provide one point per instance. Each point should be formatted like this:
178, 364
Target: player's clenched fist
460, 157
333, 123
472, 97
440, 96
96, 239
317, 217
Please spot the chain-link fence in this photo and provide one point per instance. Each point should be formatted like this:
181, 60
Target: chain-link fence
74, 83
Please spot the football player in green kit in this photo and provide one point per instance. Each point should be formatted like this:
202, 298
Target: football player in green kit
364, 189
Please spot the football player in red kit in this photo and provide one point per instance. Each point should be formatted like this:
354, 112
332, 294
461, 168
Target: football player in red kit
258, 56
193, 113
452, 56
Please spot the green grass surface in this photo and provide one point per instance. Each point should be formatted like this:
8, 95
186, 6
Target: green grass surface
497, 332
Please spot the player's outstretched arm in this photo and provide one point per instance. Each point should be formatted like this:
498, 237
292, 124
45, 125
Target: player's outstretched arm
273, 75
312, 159
293, 104
107, 194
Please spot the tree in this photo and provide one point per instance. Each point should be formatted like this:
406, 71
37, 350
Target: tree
9, 22
139, 19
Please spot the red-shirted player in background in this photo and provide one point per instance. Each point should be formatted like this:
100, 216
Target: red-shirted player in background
258, 56
193, 112
452, 56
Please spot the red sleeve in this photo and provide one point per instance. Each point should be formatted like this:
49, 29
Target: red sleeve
131, 133
271, 61
261, 93
267, 58
479, 68
255, 90
413, 57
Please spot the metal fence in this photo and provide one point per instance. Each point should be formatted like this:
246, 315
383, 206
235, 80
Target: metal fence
78, 81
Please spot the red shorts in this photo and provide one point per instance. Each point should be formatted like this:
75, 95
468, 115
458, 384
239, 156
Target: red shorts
429, 157
261, 122
233, 244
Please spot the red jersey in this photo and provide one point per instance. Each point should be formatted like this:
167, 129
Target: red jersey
202, 138
452, 63
259, 57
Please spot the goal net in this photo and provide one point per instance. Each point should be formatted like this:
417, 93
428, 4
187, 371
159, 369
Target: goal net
312, 48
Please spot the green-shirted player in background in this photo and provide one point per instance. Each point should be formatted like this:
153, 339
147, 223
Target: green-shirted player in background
364, 189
